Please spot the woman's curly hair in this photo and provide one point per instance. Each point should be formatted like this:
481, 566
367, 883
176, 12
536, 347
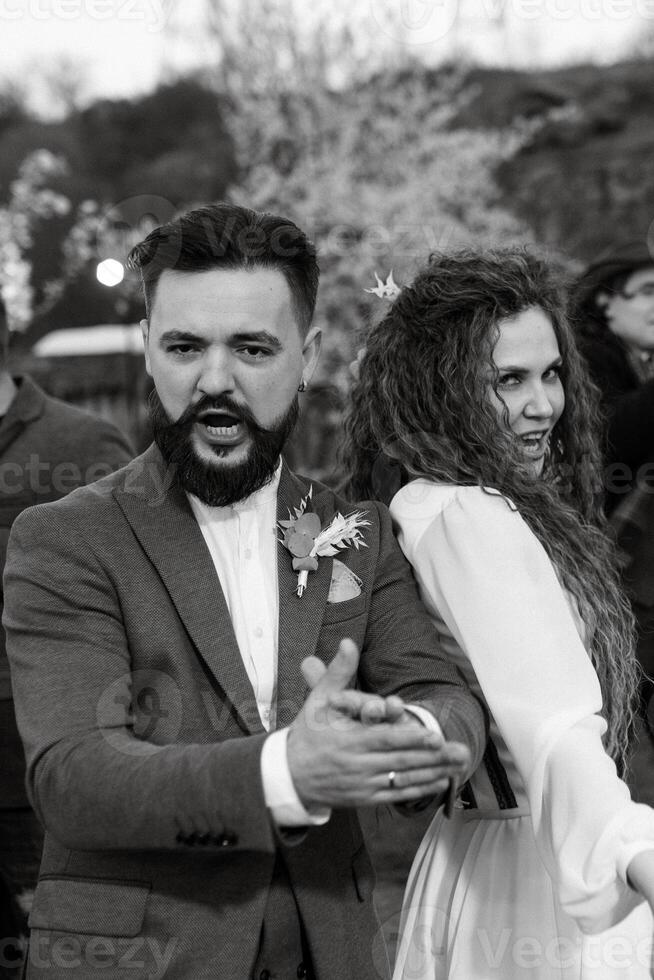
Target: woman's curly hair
421, 409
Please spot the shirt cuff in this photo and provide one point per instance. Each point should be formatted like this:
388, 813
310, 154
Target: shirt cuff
279, 792
426, 717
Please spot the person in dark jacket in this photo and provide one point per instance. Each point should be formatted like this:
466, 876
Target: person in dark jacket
614, 300
47, 449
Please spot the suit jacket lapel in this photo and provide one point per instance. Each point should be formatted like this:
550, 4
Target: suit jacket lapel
163, 521
300, 619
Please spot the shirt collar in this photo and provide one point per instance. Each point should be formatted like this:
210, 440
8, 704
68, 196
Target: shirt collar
255, 501
28, 401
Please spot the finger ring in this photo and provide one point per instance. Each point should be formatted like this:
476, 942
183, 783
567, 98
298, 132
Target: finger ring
391, 779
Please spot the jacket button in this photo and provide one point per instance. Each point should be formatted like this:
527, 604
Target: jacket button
228, 839
302, 971
265, 975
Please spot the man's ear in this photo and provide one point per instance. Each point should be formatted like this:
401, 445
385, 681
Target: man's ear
311, 353
145, 331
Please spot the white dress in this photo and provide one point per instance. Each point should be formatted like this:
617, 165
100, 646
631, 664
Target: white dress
528, 882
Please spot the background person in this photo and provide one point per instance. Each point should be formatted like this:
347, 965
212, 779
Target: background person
614, 309
472, 385
47, 449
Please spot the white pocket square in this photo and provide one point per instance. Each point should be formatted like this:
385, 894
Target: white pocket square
344, 584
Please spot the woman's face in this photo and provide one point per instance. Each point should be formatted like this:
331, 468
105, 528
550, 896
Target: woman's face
528, 361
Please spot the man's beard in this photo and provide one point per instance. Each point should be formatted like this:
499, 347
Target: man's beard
222, 483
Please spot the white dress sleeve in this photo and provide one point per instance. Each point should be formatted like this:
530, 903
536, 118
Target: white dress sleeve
485, 573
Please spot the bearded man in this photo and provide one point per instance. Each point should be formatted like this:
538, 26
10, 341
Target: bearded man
177, 691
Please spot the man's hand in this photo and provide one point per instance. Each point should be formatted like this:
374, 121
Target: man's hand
370, 709
337, 760
367, 708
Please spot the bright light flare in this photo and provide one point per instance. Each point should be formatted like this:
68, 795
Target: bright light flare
110, 272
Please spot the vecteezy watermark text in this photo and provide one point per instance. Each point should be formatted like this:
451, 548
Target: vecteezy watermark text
422, 22
42, 477
72, 952
152, 13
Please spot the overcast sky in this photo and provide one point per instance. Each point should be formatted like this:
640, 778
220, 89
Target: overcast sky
125, 45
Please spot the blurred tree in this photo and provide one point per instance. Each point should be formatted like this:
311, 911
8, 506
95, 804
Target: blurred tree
273, 46
172, 142
32, 202
128, 165
13, 105
379, 175
63, 81
337, 127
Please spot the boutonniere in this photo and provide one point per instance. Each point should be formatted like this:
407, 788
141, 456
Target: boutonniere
306, 539
385, 290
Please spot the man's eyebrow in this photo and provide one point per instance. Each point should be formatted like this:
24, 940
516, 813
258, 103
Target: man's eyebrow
243, 337
256, 337
180, 336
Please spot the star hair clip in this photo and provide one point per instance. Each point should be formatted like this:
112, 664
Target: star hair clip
385, 290
307, 541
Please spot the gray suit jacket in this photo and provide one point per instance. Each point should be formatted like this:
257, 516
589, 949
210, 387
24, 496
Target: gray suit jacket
47, 449
143, 739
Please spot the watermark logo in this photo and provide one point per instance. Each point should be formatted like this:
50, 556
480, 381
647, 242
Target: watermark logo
44, 478
424, 22
415, 21
426, 936
129, 221
153, 14
145, 703
144, 957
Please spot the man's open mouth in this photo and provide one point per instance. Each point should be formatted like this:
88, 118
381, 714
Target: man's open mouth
219, 422
221, 428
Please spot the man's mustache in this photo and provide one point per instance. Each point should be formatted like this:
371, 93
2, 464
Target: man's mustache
224, 403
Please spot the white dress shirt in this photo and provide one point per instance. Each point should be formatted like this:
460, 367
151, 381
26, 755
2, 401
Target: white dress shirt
242, 541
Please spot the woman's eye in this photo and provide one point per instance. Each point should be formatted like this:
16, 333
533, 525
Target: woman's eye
552, 374
507, 380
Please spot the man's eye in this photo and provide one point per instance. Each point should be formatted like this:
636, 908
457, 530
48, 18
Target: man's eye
181, 349
257, 353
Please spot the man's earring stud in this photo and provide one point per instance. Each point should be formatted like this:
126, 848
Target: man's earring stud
302, 386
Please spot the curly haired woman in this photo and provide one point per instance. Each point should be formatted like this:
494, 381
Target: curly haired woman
473, 404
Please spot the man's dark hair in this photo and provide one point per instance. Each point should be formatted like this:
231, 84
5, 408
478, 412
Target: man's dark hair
227, 236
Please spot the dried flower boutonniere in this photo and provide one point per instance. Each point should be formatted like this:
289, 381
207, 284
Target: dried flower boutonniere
307, 541
385, 290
